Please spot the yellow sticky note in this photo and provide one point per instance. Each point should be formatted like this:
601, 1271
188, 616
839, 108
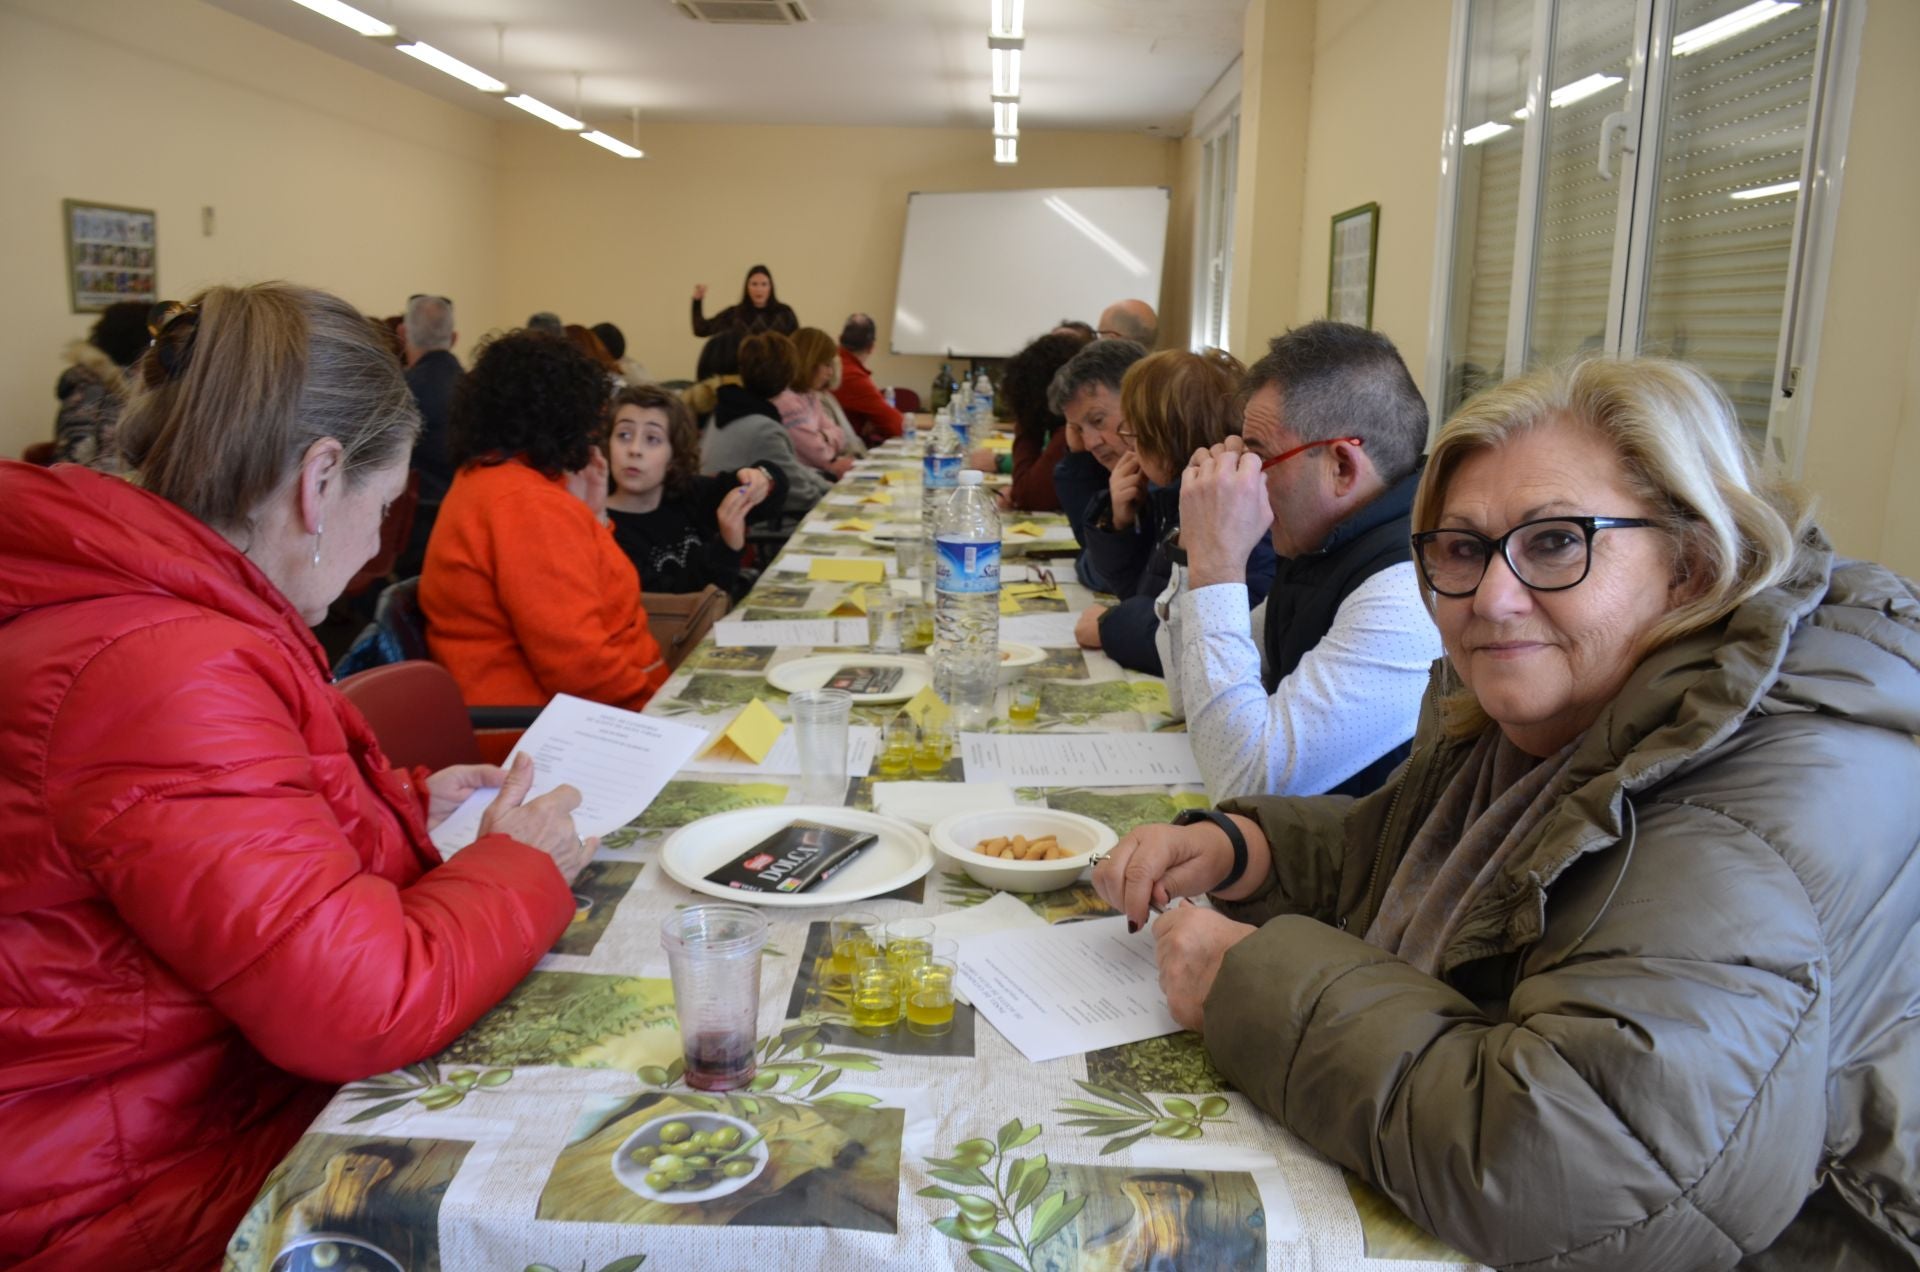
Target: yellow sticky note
854, 524
926, 705
1027, 527
998, 442
878, 497
749, 735
847, 570
1007, 604
853, 603
900, 477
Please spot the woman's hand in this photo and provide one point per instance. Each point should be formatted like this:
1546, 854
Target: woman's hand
590, 484
1151, 865
841, 466
757, 485
1086, 628
732, 516
699, 291
1127, 484
1189, 941
545, 823
449, 788
985, 460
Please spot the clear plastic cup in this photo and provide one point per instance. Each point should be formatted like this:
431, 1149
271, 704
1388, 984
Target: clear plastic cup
820, 719
713, 954
885, 608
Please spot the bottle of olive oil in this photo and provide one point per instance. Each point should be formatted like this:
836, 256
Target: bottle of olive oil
944, 386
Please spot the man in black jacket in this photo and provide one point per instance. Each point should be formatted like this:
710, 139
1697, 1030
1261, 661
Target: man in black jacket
432, 373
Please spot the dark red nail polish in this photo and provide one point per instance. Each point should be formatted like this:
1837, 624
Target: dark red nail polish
1132, 927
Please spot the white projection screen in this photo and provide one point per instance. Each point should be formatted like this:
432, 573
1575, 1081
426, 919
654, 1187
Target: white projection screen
983, 273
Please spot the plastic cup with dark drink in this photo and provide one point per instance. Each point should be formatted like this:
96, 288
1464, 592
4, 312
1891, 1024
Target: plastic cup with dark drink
713, 952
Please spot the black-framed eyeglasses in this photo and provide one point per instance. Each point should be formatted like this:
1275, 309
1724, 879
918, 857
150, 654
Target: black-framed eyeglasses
1551, 554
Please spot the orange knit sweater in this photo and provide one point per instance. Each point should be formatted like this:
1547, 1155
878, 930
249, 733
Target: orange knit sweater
526, 596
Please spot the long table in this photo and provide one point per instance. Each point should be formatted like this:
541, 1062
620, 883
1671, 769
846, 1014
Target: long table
891, 1151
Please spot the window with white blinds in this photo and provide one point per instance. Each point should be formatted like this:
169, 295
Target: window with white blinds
1220, 157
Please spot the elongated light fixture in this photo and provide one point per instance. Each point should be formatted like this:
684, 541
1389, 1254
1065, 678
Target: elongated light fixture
1766, 191
1006, 119
614, 144
1708, 34
348, 16
451, 66
1006, 150
1006, 74
540, 110
1483, 132
1009, 18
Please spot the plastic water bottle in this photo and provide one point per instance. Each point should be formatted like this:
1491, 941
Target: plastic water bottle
939, 467
966, 611
960, 409
982, 404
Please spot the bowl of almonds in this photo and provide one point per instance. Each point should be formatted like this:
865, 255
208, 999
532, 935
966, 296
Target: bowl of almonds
1022, 849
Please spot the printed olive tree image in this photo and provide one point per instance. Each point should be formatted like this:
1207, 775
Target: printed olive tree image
340, 1201
579, 1019
1175, 1062
683, 801
597, 893
1121, 809
1082, 702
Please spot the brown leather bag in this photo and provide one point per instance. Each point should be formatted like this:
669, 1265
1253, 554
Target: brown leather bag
678, 620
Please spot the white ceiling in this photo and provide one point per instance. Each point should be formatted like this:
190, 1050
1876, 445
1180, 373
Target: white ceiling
1098, 64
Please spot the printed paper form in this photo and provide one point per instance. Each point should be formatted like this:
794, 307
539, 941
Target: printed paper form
1079, 759
791, 631
1054, 630
618, 760
1066, 989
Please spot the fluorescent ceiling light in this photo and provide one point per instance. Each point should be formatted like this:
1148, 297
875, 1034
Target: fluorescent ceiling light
1100, 238
614, 144
452, 66
540, 110
1006, 150
1006, 72
1483, 132
1578, 91
1767, 191
1711, 33
1009, 18
347, 15
1006, 119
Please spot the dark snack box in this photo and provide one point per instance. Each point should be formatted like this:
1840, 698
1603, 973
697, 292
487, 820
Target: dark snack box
793, 858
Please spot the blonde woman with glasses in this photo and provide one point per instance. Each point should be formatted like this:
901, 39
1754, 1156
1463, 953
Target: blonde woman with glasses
1622, 969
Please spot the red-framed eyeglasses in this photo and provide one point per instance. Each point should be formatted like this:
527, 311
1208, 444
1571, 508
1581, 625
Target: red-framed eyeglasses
1284, 456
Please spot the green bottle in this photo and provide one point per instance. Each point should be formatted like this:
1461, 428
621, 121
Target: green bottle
944, 386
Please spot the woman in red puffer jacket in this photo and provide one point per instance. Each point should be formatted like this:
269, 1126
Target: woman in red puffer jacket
217, 899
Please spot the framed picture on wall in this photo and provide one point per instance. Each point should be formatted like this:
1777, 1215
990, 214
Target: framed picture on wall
1356, 244
110, 254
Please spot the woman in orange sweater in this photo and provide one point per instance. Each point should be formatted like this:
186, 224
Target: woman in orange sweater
525, 592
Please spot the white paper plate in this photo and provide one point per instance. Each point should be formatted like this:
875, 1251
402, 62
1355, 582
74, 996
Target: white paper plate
885, 536
1014, 655
698, 849
813, 672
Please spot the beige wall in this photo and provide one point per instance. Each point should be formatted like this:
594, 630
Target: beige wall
318, 171
1863, 442
824, 208
1276, 70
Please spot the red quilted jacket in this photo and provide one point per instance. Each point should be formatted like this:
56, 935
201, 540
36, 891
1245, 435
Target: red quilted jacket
216, 897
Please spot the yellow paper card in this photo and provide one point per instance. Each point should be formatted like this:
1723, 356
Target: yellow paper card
751, 734
1007, 604
847, 570
855, 524
878, 497
998, 442
926, 705
1027, 527
853, 603
900, 477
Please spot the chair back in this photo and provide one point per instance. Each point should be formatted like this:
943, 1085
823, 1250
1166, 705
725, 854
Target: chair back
41, 453
905, 400
416, 712
678, 620
397, 613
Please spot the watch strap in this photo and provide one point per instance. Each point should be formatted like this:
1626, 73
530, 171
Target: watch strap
1235, 839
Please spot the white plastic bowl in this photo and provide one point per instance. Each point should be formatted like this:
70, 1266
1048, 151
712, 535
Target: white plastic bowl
955, 836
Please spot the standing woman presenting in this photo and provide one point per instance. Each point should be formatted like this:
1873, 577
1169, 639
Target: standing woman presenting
759, 309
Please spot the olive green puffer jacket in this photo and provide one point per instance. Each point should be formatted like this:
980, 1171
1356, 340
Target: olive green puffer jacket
1683, 1028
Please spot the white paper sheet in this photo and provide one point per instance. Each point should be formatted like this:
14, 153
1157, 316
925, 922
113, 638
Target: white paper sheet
863, 743
801, 562
791, 631
1079, 759
1054, 630
1068, 988
618, 760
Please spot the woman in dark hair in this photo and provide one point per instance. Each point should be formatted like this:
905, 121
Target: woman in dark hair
1039, 433
95, 385
525, 592
719, 364
681, 530
746, 427
759, 309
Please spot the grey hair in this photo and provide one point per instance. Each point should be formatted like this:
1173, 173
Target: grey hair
1104, 362
429, 323
1337, 379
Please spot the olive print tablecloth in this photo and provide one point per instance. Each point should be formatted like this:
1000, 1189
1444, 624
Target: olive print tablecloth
898, 1151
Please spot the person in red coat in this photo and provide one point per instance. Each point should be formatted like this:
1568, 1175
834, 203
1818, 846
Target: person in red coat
217, 898
867, 409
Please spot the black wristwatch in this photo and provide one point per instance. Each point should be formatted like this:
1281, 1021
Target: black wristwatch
1234, 837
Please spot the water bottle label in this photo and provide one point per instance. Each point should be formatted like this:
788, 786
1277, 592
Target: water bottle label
960, 430
963, 565
942, 470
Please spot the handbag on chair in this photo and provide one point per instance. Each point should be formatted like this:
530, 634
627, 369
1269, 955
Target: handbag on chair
679, 620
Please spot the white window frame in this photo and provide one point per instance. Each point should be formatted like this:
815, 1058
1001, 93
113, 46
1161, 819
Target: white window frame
1215, 127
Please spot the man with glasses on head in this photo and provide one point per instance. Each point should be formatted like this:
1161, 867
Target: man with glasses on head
432, 373
1325, 699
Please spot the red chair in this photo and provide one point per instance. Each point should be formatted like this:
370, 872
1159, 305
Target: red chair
416, 712
905, 401
40, 453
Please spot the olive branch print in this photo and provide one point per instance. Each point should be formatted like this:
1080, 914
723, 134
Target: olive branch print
422, 1082
627, 1264
1005, 1189
794, 1068
1130, 1115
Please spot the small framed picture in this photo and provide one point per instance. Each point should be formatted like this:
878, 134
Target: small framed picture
1356, 245
111, 254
